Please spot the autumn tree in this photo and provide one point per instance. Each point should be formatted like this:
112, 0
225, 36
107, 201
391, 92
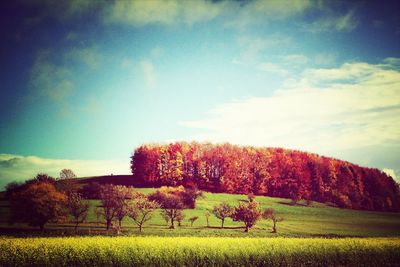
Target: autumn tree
78, 208
249, 213
140, 209
37, 204
223, 211
274, 172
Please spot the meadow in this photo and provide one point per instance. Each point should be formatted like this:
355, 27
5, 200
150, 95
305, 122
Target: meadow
198, 251
317, 220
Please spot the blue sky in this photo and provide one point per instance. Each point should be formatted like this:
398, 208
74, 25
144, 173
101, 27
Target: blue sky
85, 82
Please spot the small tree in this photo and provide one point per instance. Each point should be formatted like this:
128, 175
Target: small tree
270, 214
67, 182
192, 220
78, 208
38, 203
122, 195
222, 211
207, 215
140, 209
249, 213
180, 216
172, 206
251, 197
114, 202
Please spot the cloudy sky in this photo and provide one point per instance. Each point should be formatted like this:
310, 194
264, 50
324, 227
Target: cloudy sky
85, 82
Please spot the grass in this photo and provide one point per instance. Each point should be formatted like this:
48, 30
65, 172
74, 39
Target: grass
298, 221
197, 251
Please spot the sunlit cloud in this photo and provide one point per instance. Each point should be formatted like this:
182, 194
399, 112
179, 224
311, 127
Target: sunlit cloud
352, 106
20, 168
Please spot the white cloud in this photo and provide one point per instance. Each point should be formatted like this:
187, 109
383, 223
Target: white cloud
50, 80
252, 48
295, 59
140, 13
254, 12
149, 73
272, 68
345, 23
20, 168
88, 55
323, 110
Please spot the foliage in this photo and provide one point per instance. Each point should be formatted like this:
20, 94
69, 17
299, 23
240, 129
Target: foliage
274, 172
78, 208
37, 203
195, 251
222, 211
249, 213
91, 190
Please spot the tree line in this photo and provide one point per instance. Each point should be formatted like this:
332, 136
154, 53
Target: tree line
46, 199
272, 172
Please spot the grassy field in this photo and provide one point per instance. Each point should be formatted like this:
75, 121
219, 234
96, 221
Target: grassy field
197, 251
298, 221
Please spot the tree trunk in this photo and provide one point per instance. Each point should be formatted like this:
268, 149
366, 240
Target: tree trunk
120, 223
108, 223
140, 228
76, 226
172, 224
246, 229
222, 222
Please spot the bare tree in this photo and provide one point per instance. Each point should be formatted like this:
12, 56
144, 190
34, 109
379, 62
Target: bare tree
192, 220
140, 209
207, 215
270, 214
114, 202
222, 211
78, 208
180, 216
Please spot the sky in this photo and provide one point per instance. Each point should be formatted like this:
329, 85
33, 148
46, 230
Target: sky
83, 83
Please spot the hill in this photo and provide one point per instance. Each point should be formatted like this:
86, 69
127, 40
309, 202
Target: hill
275, 172
316, 220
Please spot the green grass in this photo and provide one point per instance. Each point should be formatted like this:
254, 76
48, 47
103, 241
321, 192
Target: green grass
197, 251
298, 221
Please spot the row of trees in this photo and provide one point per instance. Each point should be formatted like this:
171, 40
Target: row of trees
44, 199
265, 171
